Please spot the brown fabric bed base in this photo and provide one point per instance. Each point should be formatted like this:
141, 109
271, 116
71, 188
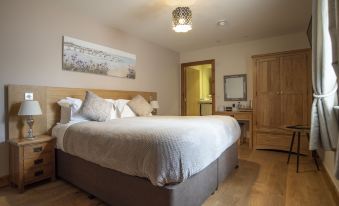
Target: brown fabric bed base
116, 188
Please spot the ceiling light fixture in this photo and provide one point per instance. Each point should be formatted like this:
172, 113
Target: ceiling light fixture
182, 19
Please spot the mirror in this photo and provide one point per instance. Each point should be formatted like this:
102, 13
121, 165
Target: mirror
235, 87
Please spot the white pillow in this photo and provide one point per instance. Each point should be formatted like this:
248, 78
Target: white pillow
73, 103
70, 110
123, 109
114, 112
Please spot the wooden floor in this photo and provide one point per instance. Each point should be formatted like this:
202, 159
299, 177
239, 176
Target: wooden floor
263, 178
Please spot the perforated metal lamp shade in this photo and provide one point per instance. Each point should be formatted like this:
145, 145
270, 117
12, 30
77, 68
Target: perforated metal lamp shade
182, 19
30, 108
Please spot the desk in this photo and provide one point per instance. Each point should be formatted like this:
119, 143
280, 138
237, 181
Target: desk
242, 116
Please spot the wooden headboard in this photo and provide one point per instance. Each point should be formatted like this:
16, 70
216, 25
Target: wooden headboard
48, 97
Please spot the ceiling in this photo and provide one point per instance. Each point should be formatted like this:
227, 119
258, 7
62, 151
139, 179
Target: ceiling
246, 19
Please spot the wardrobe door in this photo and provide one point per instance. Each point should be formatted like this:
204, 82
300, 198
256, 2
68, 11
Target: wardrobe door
268, 101
294, 89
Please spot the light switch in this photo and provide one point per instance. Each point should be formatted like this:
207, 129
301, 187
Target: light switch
28, 96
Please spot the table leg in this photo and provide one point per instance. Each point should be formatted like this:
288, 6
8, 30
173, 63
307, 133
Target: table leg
291, 148
298, 152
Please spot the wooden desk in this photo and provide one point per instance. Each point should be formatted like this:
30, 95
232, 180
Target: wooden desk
242, 116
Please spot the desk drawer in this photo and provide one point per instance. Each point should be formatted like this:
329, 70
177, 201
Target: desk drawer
38, 173
35, 150
243, 116
42, 159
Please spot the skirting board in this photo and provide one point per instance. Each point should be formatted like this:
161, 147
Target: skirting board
4, 181
333, 188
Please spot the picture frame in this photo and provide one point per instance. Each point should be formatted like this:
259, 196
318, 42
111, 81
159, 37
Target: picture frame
235, 87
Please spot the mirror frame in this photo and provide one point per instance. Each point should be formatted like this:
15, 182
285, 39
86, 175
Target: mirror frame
244, 77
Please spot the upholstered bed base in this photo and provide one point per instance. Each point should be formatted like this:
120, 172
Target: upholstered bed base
116, 188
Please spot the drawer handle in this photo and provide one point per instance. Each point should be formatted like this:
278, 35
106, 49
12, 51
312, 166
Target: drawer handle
38, 161
232, 115
37, 149
38, 173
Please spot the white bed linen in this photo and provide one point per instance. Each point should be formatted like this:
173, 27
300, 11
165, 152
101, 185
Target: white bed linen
59, 131
180, 146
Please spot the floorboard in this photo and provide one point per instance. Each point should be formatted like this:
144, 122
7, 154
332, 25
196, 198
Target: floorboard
263, 178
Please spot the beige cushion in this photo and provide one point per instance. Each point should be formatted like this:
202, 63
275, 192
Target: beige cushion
96, 108
140, 106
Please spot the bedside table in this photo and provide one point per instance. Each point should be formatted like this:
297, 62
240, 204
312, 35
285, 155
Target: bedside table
31, 160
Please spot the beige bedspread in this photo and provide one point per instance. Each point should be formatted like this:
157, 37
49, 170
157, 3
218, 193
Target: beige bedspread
163, 149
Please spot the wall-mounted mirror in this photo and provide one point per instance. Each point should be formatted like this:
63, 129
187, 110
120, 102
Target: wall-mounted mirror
235, 87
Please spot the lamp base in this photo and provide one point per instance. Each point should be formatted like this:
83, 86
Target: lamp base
30, 122
30, 138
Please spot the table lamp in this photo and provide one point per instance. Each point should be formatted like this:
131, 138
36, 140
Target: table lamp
28, 109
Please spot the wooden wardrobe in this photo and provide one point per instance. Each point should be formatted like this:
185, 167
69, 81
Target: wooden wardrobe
282, 95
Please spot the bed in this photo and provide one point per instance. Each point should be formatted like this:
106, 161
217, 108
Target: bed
117, 184
180, 160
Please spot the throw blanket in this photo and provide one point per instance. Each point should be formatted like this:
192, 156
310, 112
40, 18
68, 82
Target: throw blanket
163, 149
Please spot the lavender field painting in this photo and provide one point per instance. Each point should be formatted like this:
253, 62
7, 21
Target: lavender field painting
81, 56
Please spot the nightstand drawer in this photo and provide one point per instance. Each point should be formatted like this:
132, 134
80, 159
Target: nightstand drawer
35, 150
42, 159
38, 173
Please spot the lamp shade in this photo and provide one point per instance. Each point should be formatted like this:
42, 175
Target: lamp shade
155, 104
182, 19
29, 108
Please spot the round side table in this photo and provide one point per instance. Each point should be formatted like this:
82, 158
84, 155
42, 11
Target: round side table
298, 130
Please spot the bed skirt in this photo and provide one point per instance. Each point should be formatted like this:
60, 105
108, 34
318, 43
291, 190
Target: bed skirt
116, 188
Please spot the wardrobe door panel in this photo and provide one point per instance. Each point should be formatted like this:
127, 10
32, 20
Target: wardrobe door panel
293, 106
294, 74
268, 104
268, 76
268, 112
294, 83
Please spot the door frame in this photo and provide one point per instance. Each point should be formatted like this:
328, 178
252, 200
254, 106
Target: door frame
183, 83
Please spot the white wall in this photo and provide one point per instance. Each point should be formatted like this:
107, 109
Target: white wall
236, 58
31, 53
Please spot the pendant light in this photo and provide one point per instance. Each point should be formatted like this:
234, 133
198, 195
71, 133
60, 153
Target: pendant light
182, 19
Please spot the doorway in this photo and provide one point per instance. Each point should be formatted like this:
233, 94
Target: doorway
197, 88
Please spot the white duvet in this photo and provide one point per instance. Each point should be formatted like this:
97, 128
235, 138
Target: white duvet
163, 149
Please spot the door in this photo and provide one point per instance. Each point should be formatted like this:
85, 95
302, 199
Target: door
192, 92
190, 101
268, 99
294, 92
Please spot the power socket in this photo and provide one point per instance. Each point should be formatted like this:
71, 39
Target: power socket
28, 96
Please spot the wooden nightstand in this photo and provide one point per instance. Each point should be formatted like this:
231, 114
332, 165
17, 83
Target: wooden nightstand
31, 160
